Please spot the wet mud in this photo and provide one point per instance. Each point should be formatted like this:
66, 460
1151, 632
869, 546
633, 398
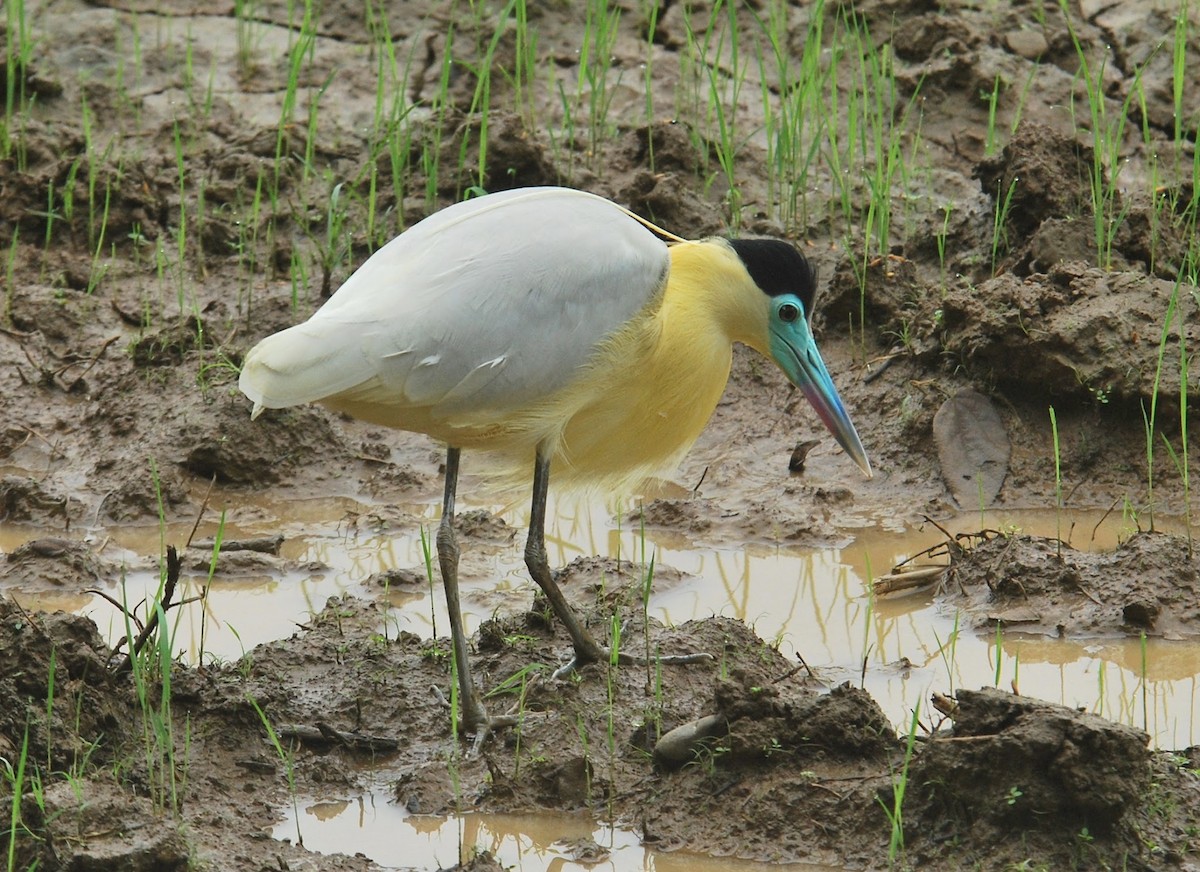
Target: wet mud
118, 406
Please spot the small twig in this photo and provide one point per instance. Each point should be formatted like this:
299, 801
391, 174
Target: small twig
174, 565
820, 785
28, 436
913, 578
324, 734
28, 617
91, 363
949, 536
51, 445
100, 508
357, 741
1104, 517
117, 605
803, 667
937, 549
200, 514
731, 783
884, 364
366, 458
259, 544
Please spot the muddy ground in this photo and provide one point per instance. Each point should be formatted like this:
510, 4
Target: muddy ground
126, 314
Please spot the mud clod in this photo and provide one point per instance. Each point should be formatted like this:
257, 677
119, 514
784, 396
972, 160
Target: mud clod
1021, 762
1150, 584
55, 562
23, 499
91, 811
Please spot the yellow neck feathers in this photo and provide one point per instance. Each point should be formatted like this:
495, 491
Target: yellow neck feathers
710, 296
651, 391
650, 388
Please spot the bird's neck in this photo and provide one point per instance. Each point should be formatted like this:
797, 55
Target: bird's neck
708, 299
656, 382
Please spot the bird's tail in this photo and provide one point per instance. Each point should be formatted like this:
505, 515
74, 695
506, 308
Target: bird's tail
302, 364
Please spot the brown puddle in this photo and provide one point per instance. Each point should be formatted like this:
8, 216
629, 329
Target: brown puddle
812, 603
809, 602
389, 835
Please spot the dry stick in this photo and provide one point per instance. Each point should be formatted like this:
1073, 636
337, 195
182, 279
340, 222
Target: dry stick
884, 363
200, 514
1104, 517
174, 565
803, 667
366, 458
920, 576
54, 452
115, 603
95, 359
203, 597
898, 581
323, 734
1067, 498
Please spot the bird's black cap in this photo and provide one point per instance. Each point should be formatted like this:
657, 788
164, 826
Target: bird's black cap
778, 267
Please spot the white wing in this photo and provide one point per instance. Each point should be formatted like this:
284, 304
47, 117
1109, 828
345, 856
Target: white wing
481, 308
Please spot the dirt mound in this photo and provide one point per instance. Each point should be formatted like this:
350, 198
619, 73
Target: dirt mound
785, 752
1014, 765
1017, 763
1151, 585
56, 562
60, 661
1057, 320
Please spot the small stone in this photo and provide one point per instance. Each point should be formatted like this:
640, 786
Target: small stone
1029, 44
800, 454
679, 746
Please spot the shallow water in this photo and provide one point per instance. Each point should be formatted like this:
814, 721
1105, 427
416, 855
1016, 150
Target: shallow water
815, 603
390, 836
812, 603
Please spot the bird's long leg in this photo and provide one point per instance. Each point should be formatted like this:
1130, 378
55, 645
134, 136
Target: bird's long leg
587, 650
475, 716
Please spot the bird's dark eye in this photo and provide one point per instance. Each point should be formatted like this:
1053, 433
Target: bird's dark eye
788, 313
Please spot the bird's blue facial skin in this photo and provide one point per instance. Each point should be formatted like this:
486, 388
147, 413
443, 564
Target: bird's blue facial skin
795, 351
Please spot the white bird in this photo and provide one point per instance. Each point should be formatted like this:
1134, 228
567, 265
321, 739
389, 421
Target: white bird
552, 329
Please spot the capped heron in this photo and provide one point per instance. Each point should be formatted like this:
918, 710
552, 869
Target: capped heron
556, 330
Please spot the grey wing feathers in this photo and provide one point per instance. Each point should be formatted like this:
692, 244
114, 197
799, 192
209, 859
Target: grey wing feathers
483, 307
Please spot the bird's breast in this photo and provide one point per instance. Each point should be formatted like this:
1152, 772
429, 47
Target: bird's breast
644, 401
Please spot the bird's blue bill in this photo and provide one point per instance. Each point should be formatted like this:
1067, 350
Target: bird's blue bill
795, 350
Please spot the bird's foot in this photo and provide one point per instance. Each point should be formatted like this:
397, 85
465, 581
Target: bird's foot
624, 658
513, 718
490, 726
479, 725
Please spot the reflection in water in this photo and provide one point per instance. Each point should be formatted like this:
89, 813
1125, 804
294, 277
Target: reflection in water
391, 836
327, 811
816, 604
